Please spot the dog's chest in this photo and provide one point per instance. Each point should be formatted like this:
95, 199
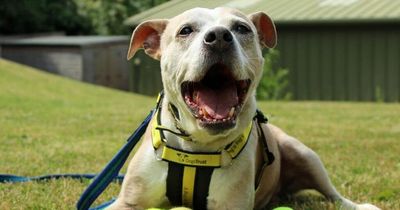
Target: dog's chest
232, 187
226, 183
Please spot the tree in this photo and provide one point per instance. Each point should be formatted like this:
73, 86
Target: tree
36, 16
101, 17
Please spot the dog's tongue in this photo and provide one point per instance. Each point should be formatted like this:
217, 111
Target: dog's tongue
217, 102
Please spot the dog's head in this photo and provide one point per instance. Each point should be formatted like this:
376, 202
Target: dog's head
211, 64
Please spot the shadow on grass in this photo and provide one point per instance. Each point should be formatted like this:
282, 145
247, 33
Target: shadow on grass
305, 199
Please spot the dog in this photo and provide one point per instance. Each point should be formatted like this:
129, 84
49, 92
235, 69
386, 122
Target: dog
211, 63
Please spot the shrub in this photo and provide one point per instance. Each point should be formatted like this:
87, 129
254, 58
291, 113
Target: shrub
38, 16
275, 81
83, 17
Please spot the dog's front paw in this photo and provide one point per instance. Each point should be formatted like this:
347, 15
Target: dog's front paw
345, 204
366, 206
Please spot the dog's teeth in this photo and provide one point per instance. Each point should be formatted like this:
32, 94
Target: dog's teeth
205, 113
231, 112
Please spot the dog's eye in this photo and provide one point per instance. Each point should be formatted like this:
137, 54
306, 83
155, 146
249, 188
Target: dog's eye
185, 31
241, 28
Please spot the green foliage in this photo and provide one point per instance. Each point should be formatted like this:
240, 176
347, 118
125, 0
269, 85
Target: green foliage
37, 16
274, 83
106, 17
101, 17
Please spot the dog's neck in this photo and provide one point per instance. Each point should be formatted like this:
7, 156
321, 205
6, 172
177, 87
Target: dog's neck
169, 121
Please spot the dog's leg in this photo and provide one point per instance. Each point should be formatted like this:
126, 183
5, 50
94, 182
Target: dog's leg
302, 169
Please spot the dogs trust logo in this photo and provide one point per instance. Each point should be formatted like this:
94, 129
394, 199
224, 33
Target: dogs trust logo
186, 159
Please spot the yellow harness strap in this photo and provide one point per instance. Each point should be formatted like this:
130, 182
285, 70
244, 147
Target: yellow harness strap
191, 159
188, 181
208, 159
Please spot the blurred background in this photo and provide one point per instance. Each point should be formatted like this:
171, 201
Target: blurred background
335, 50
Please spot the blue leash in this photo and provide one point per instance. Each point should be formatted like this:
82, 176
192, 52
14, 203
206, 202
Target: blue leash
8, 178
101, 181
112, 169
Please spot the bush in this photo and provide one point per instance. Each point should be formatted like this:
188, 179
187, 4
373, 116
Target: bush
37, 16
107, 17
274, 83
83, 17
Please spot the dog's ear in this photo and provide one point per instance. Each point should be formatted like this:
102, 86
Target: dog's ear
265, 28
147, 35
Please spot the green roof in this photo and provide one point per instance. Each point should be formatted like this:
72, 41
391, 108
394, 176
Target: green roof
289, 11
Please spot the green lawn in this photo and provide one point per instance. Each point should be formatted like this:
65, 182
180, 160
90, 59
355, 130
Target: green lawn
49, 124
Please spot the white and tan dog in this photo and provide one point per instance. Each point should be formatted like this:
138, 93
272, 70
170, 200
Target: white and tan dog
211, 64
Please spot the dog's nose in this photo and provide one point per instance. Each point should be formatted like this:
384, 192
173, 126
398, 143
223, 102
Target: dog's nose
218, 38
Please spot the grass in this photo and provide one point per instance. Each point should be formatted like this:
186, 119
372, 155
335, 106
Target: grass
50, 124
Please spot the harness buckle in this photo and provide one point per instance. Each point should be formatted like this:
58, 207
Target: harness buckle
158, 153
226, 159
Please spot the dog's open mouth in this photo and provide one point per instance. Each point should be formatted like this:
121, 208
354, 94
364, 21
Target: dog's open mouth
216, 100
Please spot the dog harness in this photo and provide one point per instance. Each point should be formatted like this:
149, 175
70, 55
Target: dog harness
189, 173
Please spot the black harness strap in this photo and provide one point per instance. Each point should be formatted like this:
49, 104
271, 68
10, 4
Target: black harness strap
262, 119
268, 156
174, 183
201, 185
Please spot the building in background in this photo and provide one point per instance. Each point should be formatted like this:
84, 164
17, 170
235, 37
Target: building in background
95, 59
334, 49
